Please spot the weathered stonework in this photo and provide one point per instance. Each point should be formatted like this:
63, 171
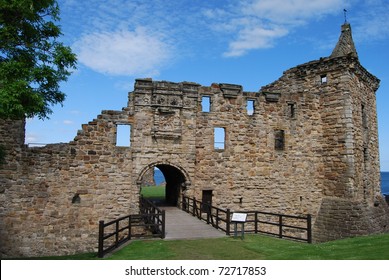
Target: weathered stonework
310, 146
148, 178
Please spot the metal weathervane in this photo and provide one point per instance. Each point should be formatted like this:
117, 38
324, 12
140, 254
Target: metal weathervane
345, 15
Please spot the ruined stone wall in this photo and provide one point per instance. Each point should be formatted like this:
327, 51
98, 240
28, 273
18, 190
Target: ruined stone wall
164, 128
54, 196
341, 218
249, 167
12, 141
148, 178
303, 150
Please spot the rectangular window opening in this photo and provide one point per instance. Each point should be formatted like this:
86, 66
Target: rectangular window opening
123, 135
365, 154
323, 79
206, 104
279, 140
292, 110
364, 116
250, 107
219, 138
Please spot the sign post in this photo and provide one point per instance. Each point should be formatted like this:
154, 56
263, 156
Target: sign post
239, 218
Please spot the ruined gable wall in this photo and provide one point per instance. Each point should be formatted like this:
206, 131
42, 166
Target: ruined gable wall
59, 192
38, 218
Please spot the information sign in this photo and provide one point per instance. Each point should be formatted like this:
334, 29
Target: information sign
239, 217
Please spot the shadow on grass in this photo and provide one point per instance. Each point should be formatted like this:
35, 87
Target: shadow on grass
260, 247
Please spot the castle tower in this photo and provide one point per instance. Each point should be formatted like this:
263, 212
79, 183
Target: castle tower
356, 89
352, 203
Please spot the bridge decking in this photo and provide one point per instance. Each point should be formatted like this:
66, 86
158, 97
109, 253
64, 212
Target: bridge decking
181, 225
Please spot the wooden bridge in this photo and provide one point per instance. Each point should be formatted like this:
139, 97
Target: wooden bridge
162, 222
196, 220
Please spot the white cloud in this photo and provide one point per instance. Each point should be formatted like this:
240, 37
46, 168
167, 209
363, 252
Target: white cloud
254, 38
259, 23
136, 53
112, 44
75, 112
292, 11
371, 22
68, 122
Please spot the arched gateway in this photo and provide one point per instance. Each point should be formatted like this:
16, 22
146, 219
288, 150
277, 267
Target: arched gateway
304, 144
176, 180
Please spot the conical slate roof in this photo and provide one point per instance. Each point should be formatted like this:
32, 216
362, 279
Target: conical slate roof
345, 45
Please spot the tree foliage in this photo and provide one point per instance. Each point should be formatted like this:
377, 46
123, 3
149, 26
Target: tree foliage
32, 60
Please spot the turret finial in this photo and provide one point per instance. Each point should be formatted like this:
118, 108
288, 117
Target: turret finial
345, 15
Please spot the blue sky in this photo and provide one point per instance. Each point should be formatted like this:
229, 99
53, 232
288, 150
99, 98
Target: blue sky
224, 41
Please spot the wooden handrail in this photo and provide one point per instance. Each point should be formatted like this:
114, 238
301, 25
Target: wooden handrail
221, 219
150, 217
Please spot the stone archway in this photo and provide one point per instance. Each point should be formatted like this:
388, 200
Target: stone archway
176, 180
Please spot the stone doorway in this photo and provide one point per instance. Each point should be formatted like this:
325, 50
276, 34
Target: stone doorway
175, 183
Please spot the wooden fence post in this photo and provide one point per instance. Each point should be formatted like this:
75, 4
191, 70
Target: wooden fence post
163, 224
217, 218
208, 207
101, 239
309, 228
228, 218
194, 207
129, 227
280, 226
256, 221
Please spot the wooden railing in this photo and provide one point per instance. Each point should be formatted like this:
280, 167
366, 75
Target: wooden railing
217, 217
280, 225
149, 223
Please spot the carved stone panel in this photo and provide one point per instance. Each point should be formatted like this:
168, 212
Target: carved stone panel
167, 100
167, 123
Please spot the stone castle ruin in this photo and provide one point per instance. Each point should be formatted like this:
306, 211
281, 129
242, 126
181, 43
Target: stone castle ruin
306, 144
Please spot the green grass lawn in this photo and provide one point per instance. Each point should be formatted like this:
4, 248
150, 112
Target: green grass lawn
257, 247
375, 247
153, 192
